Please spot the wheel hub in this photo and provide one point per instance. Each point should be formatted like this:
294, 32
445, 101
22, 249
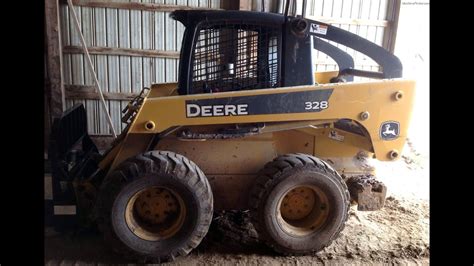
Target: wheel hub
155, 213
156, 205
298, 203
303, 210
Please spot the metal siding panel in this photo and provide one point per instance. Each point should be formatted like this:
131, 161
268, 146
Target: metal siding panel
318, 7
148, 43
180, 28
160, 64
86, 27
77, 61
136, 42
193, 3
337, 8
327, 8
373, 15
346, 9
170, 45
215, 3
113, 66
124, 42
383, 9
64, 24
100, 37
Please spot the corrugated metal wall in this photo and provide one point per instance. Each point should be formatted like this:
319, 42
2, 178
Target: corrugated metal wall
151, 30
120, 28
366, 18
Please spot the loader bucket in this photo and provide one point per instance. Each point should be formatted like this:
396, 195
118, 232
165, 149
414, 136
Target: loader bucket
73, 157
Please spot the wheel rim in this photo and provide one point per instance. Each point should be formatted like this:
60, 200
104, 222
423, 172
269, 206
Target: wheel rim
302, 210
155, 213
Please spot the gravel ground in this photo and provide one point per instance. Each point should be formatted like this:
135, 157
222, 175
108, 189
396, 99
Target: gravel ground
398, 234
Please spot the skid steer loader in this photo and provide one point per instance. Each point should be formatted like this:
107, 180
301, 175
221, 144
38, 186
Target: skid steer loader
249, 125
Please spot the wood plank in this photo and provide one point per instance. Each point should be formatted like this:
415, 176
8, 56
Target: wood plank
54, 58
230, 4
390, 34
350, 21
134, 5
246, 5
71, 49
89, 93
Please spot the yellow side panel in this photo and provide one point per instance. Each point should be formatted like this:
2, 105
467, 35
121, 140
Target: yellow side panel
225, 156
163, 89
348, 100
325, 76
331, 142
293, 141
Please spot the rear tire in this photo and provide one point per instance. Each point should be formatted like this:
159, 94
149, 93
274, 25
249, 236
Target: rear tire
155, 207
299, 204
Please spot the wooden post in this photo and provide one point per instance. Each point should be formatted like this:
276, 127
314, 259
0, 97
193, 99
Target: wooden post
245, 4
390, 33
236, 4
54, 58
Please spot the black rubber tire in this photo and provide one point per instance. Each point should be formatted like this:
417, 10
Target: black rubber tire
275, 180
155, 168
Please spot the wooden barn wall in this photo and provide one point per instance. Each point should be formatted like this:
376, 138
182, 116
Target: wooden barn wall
130, 49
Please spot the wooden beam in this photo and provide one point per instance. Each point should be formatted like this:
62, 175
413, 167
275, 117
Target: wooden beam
54, 58
134, 5
350, 21
122, 51
89, 93
230, 4
245, 4
390, 33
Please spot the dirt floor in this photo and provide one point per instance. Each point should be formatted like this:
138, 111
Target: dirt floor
399, 233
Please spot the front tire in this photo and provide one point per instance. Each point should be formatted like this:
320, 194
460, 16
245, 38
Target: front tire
299, 204
156, 206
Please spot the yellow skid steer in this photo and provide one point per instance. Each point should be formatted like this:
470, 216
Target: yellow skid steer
248, 125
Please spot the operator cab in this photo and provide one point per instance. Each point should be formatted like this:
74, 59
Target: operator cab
242, 50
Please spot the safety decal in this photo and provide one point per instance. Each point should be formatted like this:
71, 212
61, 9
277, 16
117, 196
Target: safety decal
318, 28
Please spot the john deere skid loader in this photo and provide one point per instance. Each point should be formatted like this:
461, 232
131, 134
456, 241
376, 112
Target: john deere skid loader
249, 125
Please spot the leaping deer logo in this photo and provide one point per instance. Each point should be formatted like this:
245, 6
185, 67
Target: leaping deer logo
389, 131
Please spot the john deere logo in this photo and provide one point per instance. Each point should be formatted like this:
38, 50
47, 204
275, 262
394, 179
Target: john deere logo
389, 130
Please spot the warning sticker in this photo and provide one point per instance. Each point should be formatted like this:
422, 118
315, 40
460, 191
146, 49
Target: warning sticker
318, 28
336, 136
